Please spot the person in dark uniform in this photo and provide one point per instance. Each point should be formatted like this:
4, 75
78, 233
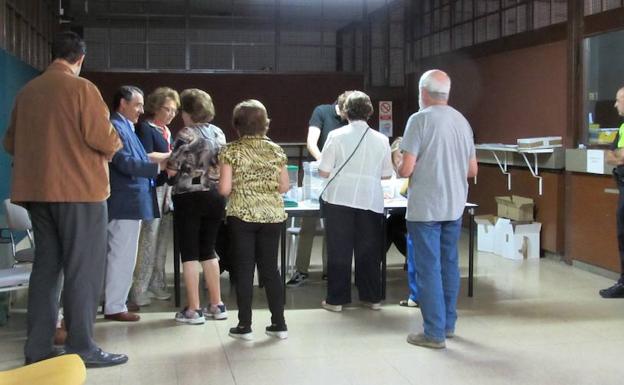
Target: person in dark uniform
615, 157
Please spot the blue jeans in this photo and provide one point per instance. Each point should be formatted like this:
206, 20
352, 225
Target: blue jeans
437, 269
411, 269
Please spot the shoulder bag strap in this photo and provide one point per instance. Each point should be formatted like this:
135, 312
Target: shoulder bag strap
345, 162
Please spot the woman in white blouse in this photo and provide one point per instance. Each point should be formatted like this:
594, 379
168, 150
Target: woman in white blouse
355, 159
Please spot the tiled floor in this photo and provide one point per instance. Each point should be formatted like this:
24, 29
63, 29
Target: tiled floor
531, 322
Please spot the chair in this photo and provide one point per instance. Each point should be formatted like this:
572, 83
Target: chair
62, 370
18, 221
292, 240
14, 278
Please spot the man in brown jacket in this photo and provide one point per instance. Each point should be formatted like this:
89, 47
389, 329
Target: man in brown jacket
61, 141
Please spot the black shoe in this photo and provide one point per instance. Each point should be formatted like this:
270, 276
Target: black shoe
297, 279
277, 331
100, 359
324, 277
615, 291
241, 332
55, 353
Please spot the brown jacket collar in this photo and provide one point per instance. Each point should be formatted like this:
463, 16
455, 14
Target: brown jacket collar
59, 65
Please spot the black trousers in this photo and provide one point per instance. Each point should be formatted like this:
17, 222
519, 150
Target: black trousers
620, 227
256, 244
350, 232
396, 230
197, 219
71, 238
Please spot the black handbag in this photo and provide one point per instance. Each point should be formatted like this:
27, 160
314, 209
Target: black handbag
322, 203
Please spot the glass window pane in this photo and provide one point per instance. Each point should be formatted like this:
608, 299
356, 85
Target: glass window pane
541, 14
493, 26
604, 60
510, 22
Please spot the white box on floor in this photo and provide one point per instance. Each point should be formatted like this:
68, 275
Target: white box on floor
485, 232
517, 241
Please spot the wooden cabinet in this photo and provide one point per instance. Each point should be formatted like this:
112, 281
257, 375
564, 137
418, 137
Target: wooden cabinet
590, 224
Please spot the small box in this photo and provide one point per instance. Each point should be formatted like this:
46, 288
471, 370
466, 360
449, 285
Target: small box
607, 135
485, 232
515, 207
517, 241
540, 142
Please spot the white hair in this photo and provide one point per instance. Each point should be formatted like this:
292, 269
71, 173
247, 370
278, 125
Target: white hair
437, 88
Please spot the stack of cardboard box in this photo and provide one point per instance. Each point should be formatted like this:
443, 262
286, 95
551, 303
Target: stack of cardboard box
512, 232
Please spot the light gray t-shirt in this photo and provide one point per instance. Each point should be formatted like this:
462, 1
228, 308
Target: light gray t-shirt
442, 141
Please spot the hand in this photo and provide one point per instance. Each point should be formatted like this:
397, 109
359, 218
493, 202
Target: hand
397, 158
158, 157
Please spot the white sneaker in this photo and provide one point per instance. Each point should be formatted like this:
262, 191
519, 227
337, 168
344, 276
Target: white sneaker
159, 294
334, 308
142, 299
218, 312
191, 317
408, 303
372, 305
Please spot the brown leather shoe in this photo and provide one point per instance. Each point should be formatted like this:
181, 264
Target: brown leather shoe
123, 317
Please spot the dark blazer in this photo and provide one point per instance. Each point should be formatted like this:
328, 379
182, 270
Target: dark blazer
131, 175
153, 141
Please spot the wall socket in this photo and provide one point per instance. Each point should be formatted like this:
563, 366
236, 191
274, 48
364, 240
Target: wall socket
593, 96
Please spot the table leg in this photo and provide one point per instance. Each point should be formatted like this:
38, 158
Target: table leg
471, 211
176, 268
383, 256
283, 257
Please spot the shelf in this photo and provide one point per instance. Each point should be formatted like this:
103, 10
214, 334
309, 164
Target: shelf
501, 153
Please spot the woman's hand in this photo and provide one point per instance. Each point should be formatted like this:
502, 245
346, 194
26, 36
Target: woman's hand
158, 157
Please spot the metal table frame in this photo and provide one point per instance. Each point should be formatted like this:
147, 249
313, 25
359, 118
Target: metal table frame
313, 211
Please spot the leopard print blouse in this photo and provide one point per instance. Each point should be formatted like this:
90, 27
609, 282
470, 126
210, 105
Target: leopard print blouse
256, 165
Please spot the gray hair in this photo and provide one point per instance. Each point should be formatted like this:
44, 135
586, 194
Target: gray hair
438, 87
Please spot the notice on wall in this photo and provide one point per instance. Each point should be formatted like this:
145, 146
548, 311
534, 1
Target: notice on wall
385, 118
595, 161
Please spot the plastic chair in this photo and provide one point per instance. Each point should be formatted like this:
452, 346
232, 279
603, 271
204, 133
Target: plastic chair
292, 233
15, 278
18, 221
62, 370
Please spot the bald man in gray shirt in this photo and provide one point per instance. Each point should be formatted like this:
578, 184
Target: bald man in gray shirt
438, 157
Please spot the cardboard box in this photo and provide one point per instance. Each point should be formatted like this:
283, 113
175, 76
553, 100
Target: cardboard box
517, 241
540, 142
485, 232
515, 207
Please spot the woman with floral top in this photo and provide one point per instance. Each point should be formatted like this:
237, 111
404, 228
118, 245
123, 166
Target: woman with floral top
199, 208
253, 175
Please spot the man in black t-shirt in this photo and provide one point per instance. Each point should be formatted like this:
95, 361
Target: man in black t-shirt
325, 118
615, 157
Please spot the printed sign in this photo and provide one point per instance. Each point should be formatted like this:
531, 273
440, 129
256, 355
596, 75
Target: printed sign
385, 118
595, 161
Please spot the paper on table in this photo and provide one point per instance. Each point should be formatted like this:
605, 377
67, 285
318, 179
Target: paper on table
595, 161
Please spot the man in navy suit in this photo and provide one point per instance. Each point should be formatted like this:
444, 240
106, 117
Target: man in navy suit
131, 200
